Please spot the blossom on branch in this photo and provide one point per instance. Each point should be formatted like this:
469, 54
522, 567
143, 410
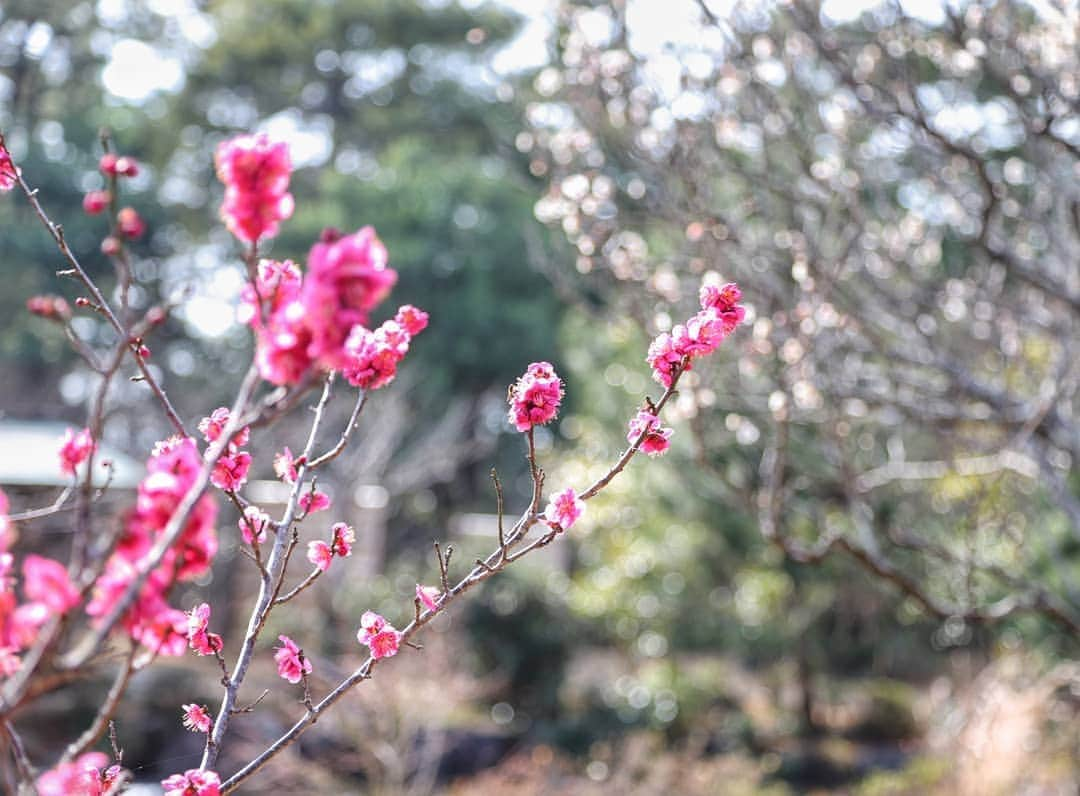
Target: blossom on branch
199, 639
535, 397
564, 510
253, 524
8, 170
255, 171
75, 448
193, 782
310, 502
196, 718
320, 554
291, 663
46, 581
429, 597
380, 637
656, 441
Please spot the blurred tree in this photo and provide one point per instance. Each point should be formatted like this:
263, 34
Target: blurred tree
897, 197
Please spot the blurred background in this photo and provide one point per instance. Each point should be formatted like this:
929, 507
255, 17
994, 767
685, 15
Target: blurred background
857, 570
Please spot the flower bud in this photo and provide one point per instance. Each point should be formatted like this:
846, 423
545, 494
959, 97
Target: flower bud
95, 202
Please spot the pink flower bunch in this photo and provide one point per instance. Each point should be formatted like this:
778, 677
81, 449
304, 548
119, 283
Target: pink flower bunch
372, 357
291, 663
318, 320
378, 635
535, 397
310, 502
86, 775
48, 592
342, 538
564, 510
193, 782
171, 470
347, 278
196, 718
429, 597
253, 524
255, 171
657, 439
231, 470
285, 466
8, 170
198, 636
113, 165
52, 308
75, 448
700, 335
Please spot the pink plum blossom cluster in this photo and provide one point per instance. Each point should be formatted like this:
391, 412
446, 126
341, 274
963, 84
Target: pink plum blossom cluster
256, 174
75, 448
171, 470
535, 397
87, 775
320, 553
656, 440
700, 335
193, 782
379, 636
231, 470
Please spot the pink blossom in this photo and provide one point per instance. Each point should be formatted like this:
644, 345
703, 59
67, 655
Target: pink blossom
81, 777
130, 223
25, 622
371, 358
725, 301
52, 308
411, 319
535, 397
320, 554
380, 637
95, 202
253, 524
9, 661
342, 539
310, 503
665, 357
347, 278
199, 639
8, 170
429, 597
193, 782
285, 466
276, 285
291, 663
75, 448
656, 440
196, 718
212, 427
46, 581
230, 472
564, 510
255, 172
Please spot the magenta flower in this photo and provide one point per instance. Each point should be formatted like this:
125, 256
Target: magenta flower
309, 503
199, 639
95, 202
563, 510
255, 171
291, 663
347, 278
75, 448
46, 581
285, 466
231, 471
212, 426
82, 776
380, 637
320, 554
196, 718
656, 440
343, 537
429, 597
371, 358
253, 524
193, 782
411, 319
535, 397
8, 170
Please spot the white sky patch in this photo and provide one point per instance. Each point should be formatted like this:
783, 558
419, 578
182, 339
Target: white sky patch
211, 311
136, 71
310, 140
